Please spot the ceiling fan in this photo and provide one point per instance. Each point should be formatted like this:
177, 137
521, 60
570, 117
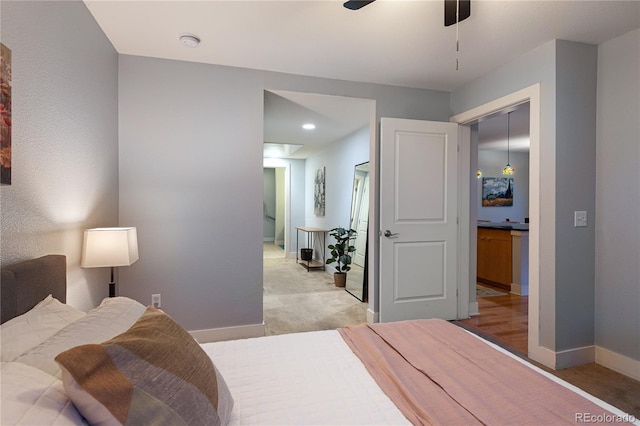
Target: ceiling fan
463, 7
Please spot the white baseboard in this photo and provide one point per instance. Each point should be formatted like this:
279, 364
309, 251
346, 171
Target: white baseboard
586, 355
576, 356
473, 309
372, 317
228, 333
562, 359
542, 355
616, 362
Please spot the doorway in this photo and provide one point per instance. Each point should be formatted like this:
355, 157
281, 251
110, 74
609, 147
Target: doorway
502, 227
305, 133
531, 95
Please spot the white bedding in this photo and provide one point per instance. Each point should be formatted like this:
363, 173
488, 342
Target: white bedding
315, 378
113, 316
33, 397
303, 378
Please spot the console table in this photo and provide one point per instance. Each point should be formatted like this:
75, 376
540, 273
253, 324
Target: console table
313, 235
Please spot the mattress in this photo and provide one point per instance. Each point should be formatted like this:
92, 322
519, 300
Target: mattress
315, 378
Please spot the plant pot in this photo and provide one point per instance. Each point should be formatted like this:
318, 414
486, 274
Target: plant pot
340, 279
306, 254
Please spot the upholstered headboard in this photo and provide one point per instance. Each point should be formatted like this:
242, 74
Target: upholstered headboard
24, 284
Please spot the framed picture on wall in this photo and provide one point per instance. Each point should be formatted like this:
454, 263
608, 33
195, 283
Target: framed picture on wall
318, 196
5, 118
497, 192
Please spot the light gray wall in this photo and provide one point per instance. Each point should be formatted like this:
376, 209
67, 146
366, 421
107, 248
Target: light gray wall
536, 66
617, 262
191, 181
339, 160
567, 72
65, 138
491, 163
576, 85
191, 165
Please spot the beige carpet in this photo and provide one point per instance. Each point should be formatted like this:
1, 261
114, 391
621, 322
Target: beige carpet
296, 300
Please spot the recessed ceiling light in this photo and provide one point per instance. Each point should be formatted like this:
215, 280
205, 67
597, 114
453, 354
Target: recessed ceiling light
309, 126
190, 40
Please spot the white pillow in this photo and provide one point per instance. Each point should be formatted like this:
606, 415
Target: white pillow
114, 316
23, 332
32, 397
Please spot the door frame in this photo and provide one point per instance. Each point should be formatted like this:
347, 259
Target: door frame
532, 95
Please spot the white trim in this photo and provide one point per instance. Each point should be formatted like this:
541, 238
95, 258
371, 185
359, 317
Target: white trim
228, 333
464, 196
575, 356
616, 362
372, 317
531, 94
473, 309
540, 354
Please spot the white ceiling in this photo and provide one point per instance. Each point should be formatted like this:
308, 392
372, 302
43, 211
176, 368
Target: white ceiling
396, 42
334, 118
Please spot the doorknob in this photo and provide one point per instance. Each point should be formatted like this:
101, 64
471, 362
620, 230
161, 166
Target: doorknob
388, 234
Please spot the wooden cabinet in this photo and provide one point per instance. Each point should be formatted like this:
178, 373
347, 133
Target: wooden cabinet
494, 257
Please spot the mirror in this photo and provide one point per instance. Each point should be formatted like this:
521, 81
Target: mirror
357, 283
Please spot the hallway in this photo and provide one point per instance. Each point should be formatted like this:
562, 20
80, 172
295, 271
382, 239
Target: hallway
295, 300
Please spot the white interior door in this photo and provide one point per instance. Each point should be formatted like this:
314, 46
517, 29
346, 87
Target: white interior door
418, 220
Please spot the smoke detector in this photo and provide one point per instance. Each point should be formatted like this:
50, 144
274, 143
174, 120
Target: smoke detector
190, 40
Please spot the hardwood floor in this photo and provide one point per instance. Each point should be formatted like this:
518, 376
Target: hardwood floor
504, 321
503, 318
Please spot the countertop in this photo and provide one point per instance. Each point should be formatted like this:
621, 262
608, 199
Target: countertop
504, 225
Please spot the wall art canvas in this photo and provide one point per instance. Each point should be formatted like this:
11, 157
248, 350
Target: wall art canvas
318, 196
497, 192
5, 118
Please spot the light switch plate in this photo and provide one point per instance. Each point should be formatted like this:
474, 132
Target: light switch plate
579, 218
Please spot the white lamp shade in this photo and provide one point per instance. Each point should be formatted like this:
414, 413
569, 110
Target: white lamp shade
105, 247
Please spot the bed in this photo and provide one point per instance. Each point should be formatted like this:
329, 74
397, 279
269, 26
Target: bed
123, 362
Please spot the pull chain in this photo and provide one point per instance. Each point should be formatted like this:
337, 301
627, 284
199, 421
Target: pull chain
457, 31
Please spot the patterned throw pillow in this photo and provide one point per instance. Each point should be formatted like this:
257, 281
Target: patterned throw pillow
154, 373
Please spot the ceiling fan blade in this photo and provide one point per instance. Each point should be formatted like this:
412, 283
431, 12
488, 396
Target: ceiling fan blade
450, 11
355, 4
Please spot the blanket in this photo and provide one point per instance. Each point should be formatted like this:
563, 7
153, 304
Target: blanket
437, 373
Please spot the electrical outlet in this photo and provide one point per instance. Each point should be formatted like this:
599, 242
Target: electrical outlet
156, 301
579, 218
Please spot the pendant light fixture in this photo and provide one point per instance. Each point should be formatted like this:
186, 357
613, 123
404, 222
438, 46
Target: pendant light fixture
508, 169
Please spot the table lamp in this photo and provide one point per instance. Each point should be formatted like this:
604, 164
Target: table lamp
109, 247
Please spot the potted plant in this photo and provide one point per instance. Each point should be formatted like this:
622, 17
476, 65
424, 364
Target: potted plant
340, 253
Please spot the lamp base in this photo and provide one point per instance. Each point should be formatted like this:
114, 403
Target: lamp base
112, 289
